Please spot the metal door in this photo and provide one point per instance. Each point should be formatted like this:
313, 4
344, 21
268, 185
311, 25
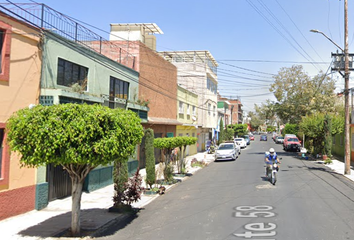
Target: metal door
59, 182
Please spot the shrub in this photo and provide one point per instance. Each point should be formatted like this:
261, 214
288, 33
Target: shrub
150, 157
133, 189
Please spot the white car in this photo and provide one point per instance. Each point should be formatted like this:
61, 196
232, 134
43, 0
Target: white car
241, 142
226, 151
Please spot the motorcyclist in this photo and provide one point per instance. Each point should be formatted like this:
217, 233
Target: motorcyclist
270, 158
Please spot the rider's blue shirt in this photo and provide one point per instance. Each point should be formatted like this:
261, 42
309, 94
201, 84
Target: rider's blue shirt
272, 158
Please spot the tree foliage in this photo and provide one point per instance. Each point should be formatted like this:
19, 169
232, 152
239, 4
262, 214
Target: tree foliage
240, 129
229, 133
299, 95
77, 136
222, 132
168, 144
256, 121
291, 129
313, 126
150, 157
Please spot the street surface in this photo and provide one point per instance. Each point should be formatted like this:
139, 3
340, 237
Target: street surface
233, 200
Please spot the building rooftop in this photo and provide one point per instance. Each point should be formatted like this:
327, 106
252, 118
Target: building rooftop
149, 27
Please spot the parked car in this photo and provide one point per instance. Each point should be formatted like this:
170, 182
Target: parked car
226, 151
247, 139
292, 144
241, 142
237, 147
263, 138
279, 139
251, 137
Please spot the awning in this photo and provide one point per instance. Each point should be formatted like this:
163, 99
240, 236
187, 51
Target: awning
163, 121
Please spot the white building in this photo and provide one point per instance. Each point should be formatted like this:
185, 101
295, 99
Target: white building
197, 72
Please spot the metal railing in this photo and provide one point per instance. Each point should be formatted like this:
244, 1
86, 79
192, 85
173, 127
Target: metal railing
46, 18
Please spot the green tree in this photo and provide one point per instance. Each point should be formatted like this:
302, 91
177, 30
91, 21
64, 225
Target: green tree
313, 126
327, 129
222, 132
229, 133
299, 95
77, 137
267, 112
120, 179
150, 157
291, 129
255, 122
240, 129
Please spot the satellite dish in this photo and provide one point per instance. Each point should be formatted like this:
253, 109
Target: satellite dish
194, 118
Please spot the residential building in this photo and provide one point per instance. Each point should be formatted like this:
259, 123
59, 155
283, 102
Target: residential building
187, 115
224, 114
55, 67
197, 72
157, 78
19, 88
235, 109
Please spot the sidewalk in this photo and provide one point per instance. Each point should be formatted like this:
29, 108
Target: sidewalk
56, 217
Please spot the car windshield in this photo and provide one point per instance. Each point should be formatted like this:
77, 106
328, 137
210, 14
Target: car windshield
226, 147
292, 140
280, 138
239, 139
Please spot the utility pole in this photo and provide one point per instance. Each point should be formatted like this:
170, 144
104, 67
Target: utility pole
346, 87
346, 93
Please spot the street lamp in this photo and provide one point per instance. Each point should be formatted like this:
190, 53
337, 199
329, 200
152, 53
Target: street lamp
346, 87
317, 31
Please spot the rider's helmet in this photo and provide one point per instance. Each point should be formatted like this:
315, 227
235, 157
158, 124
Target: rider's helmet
271, 151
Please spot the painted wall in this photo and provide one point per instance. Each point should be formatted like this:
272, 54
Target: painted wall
17, 188
189, 120
100, 68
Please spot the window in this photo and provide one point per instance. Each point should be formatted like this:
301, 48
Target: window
209, 108
180, 109
214, 111
117, 89
70, 73
5, 49
194, 111
188, 110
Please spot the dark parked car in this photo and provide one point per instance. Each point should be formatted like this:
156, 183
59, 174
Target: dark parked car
263, 138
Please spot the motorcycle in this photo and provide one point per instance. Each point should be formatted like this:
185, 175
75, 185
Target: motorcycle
272, 171
211, 149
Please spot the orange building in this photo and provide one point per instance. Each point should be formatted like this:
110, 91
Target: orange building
19, 88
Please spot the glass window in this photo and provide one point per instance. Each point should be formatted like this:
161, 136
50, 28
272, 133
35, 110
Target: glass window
181, 107
70, 73
118, 89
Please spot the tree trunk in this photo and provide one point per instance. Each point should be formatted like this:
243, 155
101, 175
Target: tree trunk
76, 206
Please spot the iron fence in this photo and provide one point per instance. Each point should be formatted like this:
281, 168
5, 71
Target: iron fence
46, 18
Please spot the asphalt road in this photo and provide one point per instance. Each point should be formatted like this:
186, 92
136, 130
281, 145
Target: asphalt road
233, 200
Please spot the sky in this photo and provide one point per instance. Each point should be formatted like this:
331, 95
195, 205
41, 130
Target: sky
250, 39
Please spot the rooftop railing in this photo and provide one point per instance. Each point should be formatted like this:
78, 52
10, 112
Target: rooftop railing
46, 18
